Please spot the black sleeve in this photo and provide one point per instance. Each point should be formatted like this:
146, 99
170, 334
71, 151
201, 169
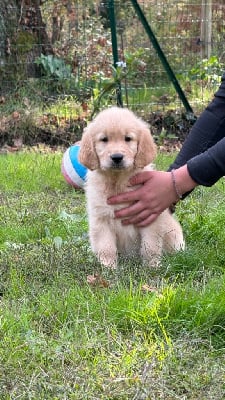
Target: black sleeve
207, 130
208, 167
204, 147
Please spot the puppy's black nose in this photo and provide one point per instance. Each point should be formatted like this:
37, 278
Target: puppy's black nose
117, 158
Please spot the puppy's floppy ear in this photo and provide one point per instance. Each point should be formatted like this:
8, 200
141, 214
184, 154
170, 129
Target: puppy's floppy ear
87, 153
146, 148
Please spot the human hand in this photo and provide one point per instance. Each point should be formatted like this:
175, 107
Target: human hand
148, 201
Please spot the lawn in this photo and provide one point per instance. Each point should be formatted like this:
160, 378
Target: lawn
133, 333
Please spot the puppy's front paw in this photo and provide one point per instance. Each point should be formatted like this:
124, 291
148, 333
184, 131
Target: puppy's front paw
107, 260
154, 262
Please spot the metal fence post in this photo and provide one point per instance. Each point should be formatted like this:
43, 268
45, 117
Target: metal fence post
162, 57
110, 5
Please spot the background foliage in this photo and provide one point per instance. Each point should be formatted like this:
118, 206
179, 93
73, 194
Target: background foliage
60, 52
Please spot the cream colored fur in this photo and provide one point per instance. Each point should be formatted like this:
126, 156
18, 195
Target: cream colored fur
115, 146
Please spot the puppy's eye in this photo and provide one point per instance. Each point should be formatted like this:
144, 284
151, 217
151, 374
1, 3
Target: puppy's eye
128, 139
104, 139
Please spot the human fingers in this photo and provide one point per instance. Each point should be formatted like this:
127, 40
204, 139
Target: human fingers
137, 218
125, 197
133, 195
131, 210
141, 177
148, 221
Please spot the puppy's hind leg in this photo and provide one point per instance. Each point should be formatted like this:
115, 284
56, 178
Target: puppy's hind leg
103, 244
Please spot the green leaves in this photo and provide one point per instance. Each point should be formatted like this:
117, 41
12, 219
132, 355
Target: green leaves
207, 70
54, 67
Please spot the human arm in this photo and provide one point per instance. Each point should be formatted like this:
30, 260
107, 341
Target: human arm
208, 130
207, 168
160, 189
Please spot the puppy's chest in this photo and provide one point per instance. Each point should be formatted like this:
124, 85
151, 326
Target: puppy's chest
98, 206
127, 237
97, 200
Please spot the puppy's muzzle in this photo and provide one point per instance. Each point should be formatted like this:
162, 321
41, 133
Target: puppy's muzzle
117, 160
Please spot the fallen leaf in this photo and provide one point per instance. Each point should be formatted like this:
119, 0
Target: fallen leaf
12, 149
97, 281
16, 115
2, 100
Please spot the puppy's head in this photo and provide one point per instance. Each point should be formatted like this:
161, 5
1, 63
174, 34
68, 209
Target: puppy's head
116, 139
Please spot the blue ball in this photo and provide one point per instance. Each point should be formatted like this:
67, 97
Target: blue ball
73, 171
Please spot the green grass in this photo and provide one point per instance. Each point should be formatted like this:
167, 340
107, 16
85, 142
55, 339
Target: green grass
62, 338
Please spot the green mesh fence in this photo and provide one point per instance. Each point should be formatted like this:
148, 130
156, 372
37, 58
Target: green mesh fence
61, 51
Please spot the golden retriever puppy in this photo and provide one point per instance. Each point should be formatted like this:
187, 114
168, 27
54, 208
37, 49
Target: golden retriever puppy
115, 146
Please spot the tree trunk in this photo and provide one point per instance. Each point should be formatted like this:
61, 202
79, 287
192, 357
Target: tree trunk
8, 24
23, 38
31, 21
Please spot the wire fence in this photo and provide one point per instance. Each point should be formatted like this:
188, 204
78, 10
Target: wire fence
53, 50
